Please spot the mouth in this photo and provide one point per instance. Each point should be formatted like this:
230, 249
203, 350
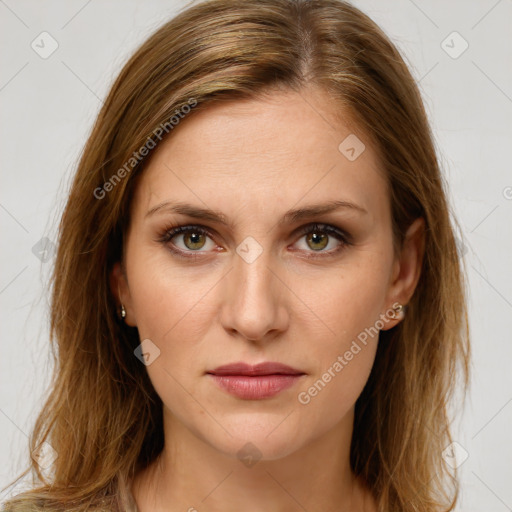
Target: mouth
255, 382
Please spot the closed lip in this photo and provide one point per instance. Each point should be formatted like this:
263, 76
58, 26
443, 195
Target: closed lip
265, 368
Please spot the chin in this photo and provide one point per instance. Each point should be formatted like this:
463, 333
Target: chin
258, 440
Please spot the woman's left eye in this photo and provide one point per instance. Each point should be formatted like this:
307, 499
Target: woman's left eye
194, 239
317, 239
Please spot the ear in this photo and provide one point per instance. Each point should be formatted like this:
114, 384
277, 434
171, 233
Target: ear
406, 269
121, 291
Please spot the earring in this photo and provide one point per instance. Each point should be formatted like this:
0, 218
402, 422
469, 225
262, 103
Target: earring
123, 311
398, 311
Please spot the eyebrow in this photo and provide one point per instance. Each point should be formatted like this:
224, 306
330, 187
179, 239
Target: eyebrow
289, 217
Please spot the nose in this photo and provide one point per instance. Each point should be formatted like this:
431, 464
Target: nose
255, 305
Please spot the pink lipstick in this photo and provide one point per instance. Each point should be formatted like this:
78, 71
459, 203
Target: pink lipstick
255, 382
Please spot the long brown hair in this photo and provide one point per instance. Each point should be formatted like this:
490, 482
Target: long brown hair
102, 416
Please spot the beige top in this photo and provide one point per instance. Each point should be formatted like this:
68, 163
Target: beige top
131, 505
127, 498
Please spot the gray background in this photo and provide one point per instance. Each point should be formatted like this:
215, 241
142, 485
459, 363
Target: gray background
48, 106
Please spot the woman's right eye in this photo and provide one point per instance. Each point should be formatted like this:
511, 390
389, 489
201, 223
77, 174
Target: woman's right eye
193, 239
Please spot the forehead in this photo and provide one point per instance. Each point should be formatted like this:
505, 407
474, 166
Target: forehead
281, 149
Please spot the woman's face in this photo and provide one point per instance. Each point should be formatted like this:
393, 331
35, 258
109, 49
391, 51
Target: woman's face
265, 285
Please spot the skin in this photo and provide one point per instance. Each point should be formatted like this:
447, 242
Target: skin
254, 160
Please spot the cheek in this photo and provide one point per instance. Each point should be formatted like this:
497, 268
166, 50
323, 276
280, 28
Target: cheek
330, 396
345, 325
343, 356
170, 306
343, 302
166, 298
175, 309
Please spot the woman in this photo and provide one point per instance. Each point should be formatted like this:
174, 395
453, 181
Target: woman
257, 297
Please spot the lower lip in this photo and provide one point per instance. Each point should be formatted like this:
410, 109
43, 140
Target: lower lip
255, 388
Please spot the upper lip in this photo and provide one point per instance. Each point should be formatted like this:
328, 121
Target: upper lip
265, 368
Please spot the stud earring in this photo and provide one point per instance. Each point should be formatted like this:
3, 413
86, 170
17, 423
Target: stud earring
122, 311
398, 311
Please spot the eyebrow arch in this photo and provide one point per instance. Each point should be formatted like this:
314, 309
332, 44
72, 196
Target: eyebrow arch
289, 217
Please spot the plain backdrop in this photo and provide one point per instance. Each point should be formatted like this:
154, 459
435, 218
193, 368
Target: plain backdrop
459, 51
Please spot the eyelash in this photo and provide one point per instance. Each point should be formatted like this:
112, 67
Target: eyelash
171, 231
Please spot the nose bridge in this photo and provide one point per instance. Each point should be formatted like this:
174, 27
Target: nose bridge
254, 303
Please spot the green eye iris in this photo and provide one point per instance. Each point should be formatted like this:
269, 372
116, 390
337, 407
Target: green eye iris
316, 238
197, 240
